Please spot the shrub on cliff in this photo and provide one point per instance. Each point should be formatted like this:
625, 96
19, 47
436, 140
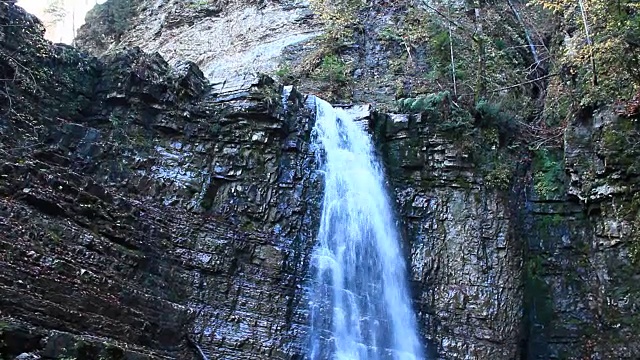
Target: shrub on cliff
601, 61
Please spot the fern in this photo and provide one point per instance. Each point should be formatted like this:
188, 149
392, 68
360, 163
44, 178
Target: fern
423, 103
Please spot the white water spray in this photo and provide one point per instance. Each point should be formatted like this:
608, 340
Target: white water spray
361, 308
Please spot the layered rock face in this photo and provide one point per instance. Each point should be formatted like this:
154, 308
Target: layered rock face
226, 38
141, 212
581, 290
544, 270
465, 258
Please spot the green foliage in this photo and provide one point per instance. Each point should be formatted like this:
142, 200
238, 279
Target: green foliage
492, 115
500, 44
459, 124
55, 233
341, 21
500, 173
608, 68
340, 17
438, 109
559, 103
332, 70
390, 34
285, 73
215, 129
488, 110
482, 51
496, 162
429, 102
632, 213
248, 226
439, 42
419, 29
115, 120
548, 176
267, 94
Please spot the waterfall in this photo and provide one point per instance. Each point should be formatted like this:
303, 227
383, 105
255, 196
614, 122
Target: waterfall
360, 304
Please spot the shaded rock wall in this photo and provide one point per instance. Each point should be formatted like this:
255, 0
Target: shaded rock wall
141, 212
464, 254
546, 269
582, 259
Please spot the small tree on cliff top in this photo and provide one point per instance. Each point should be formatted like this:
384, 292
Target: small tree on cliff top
604, 56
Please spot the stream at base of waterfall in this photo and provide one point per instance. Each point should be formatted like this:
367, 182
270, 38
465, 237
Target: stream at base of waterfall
360, 306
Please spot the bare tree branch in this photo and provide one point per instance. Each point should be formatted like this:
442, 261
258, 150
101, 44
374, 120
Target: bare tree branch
524, 83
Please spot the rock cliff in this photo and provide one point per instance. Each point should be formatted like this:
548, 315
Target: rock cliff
150, 210
143, 212
464, 250
225, 38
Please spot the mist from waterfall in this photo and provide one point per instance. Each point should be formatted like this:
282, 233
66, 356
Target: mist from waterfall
360, 305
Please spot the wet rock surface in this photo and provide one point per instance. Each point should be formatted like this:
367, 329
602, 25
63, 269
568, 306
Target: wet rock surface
582, 259
141, 213
464, 255
544, 270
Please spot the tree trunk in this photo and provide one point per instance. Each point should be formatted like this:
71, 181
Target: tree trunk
453, 64
589, 42
478, 38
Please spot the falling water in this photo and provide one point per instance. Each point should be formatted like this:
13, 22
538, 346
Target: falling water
360, 305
